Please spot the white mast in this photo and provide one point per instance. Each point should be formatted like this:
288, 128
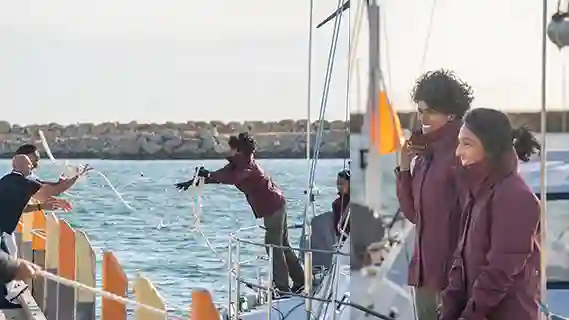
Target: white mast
543, 158
373, 156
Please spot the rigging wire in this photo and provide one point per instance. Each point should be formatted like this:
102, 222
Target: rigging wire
563, 93
323, 105
413, 118
347, 111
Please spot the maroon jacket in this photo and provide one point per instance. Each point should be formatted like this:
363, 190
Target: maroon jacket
496, 270
263, 195
430, 198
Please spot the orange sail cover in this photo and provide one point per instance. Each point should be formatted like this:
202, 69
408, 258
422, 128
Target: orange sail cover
386, 134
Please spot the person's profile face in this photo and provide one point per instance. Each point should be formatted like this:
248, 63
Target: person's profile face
470, 148
343, 185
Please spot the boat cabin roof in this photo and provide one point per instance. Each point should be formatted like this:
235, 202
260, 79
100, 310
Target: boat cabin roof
557, 176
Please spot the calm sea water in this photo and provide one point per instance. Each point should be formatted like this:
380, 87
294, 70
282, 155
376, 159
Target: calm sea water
157, 239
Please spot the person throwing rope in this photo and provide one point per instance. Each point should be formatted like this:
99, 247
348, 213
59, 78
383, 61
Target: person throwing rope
16, 190
267, 202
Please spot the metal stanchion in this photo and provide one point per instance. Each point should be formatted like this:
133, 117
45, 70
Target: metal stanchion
308, 274
230, 277
270, 285
238, 279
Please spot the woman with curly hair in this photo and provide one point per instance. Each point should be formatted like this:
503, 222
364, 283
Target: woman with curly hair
267, 202
430, 195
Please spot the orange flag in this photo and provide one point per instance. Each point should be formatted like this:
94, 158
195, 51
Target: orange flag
385, 129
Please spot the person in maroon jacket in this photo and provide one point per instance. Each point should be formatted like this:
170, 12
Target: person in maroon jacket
430, 196
267, 202
496, 270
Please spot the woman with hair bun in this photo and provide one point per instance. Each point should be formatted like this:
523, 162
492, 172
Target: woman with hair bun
267, 202
496, 268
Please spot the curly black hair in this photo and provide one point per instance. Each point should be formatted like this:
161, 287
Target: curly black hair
443, 91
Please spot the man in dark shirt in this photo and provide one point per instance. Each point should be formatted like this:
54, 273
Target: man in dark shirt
34, 155
16, 190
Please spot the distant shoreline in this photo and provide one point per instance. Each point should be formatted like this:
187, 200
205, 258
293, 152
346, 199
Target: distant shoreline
284, 139
211, 156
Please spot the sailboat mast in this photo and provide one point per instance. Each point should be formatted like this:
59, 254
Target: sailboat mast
543, 156
374, 85
309, 88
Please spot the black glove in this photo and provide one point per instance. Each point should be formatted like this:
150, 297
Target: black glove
185, 185
203, 173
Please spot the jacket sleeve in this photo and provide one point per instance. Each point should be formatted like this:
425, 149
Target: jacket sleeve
8, 267
229, 175
513, 208
405, 194
223, 171
454, 297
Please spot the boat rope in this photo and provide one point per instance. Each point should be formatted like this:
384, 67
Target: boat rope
354, 40
74, 168
103, 293
196, 196
563, 93
388, 82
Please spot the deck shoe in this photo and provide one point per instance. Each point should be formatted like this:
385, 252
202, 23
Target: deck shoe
15, 289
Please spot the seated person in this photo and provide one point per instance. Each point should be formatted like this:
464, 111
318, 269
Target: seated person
339, 206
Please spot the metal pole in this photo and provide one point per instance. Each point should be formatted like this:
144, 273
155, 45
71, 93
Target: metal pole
230, 277
310, 186
270, 285
335, 286
238, 279
374, 82
309, 85
543, 160
308, 276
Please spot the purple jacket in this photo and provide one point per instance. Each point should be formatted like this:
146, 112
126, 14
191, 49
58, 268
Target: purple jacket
431, 199
263, 195
496, 270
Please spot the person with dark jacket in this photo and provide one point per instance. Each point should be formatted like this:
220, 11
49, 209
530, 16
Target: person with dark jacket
496, 269
340, 204
267, 202
430, 195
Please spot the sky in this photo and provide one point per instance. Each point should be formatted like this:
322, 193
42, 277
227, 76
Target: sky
71, 61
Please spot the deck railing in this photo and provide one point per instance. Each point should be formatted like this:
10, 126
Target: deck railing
265, 293
53, 244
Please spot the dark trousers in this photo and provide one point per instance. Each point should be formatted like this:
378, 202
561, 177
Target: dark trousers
285, 261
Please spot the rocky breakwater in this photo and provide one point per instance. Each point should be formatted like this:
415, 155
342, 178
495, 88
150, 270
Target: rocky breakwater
190, 140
